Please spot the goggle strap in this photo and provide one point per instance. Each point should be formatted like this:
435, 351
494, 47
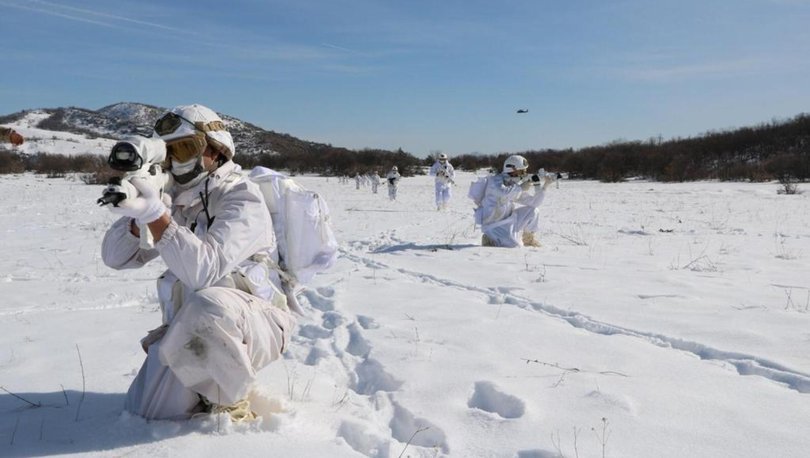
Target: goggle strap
212, 126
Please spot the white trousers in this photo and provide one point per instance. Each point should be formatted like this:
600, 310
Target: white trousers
508, 233
442, 194
214, 346
392, 192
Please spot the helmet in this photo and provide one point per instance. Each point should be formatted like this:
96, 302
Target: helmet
185, 121
515, 162
442, 157
394, 168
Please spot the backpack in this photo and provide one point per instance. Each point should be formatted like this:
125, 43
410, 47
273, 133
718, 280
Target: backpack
306, 242
476, 192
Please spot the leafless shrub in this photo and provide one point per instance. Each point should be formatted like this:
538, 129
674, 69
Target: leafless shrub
788, 187
602, 434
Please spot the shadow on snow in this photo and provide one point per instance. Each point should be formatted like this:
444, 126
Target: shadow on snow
39, 424
414, 246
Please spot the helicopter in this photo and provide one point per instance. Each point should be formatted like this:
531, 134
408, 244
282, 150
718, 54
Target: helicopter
523, 110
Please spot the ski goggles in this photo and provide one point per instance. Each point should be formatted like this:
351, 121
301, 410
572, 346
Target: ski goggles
186, 148
170, 122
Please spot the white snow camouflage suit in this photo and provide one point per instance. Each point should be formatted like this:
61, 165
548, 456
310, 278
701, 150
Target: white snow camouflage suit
224, 314
445, 174
503, 220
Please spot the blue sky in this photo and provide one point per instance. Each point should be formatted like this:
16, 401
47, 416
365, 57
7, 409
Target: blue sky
426, 76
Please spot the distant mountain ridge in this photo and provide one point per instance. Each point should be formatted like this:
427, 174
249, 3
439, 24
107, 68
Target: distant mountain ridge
129, 118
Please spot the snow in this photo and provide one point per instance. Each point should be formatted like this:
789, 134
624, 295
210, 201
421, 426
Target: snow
663, 320
54, 142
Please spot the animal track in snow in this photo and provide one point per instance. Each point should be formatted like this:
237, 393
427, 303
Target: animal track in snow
489, 399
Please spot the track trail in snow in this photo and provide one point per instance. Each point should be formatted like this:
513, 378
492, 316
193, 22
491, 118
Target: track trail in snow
745, 364
330, 337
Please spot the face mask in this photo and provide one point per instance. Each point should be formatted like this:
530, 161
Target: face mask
188, 173
510, 180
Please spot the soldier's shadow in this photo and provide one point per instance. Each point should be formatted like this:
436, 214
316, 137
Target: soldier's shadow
66, 422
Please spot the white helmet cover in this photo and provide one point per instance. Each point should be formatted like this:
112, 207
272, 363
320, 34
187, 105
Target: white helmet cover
515, 162
442, 157
222, 139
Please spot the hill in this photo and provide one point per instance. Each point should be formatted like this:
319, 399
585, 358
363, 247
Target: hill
73, 131
127, 118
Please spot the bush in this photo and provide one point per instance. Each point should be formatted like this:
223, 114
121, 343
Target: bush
11, 162
788, 187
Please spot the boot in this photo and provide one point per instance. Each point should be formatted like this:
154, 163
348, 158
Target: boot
529, 239
239, 411
486, 241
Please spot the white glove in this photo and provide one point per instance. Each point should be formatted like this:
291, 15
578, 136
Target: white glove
526, 185
547, 181
143, 201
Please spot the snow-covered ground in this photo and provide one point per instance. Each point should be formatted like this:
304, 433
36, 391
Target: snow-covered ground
657, 320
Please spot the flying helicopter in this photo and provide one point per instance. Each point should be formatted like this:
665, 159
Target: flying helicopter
523, 110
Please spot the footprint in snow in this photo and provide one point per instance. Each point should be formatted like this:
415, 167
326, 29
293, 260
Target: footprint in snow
371, 377
407, 428
619, 402
315, 356
332, 320
367, 322
319, 301
363, 440
311, 331
358, 345
489, 399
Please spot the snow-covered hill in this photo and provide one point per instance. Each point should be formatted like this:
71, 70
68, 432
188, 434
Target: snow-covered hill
657, 320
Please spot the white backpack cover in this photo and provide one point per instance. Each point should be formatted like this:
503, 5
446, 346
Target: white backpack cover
306, 243
476, 192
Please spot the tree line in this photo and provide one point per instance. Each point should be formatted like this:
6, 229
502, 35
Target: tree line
776, 150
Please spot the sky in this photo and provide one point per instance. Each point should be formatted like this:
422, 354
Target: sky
424, 76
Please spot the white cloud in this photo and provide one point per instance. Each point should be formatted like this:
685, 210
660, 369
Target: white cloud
86, 15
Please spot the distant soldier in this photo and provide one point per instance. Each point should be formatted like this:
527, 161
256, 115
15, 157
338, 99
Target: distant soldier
444, 173
9, 135
393, 178
375, 181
